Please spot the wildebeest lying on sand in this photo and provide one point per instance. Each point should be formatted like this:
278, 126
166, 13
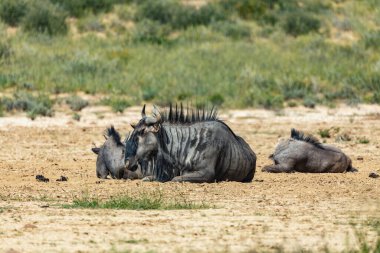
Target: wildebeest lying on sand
304, 153
188, 146
111, 157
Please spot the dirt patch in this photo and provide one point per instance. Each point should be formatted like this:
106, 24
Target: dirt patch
285, 211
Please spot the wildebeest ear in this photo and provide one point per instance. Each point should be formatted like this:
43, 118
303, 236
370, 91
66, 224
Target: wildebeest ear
95, 150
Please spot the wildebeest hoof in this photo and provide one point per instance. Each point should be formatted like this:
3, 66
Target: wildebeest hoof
147, 179
41, 178
373, 175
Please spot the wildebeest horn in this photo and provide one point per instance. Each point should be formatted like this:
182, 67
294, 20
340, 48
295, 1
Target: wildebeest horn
150, 121
143, 112
156, 113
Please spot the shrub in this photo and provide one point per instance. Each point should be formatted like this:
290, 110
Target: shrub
295, 89
233, 30
149, 93
309, 102
151, 31
299, 23
12, 11
177, 15
5, 50
217, 99
45, 17
247, 9
363, 140
117, 104
76, 103
33, 105
372, 40
324, 133
272, 102
76, 117
78, 8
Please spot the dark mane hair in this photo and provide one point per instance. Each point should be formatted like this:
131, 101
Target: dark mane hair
186, 115
111, 132
301, 136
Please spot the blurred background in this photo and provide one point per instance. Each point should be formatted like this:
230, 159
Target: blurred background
229, 53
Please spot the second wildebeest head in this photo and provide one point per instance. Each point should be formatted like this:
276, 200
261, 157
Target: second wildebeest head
110, 156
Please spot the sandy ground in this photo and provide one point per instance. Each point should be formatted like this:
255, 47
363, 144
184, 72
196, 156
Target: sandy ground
276, 212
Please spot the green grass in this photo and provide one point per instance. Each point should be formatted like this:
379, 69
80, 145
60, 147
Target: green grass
324, 133
363, 140
238, 58
143, 202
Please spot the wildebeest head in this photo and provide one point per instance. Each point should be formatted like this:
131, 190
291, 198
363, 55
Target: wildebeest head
110, 156
142, 144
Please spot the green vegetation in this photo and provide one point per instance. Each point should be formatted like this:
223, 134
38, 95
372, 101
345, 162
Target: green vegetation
76, 103
143, 202
232, 53
33, 105
117, 104
363, 140
324, 133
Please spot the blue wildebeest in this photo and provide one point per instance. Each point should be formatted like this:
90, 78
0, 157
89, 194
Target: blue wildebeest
188, 146
111, 156
304, 153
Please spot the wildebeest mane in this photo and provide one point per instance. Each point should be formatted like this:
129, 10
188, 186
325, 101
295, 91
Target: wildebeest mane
179, 114
301, 136
111, 132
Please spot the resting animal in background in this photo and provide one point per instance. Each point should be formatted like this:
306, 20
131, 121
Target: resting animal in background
193, 147
111, 158
304, 153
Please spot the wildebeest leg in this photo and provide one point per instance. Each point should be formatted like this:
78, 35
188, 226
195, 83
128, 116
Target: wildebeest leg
131, 175
201, 176
277, 168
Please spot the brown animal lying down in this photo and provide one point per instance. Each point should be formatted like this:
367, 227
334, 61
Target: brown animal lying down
304, 153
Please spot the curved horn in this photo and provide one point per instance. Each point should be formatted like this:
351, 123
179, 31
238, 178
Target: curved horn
150, 121
143, 112
156, 113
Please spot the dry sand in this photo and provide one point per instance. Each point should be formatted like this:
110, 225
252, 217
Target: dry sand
275, 212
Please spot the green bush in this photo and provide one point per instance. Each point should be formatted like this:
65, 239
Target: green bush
76, 103
5, 50
117, 104
372, 40
216, 99
232, 30
33, 105
247, 9
299, 23
272, 102
12, 11
78, 8
295, 89
177, 15
45, 17
151, 31
324, 133
309, 102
